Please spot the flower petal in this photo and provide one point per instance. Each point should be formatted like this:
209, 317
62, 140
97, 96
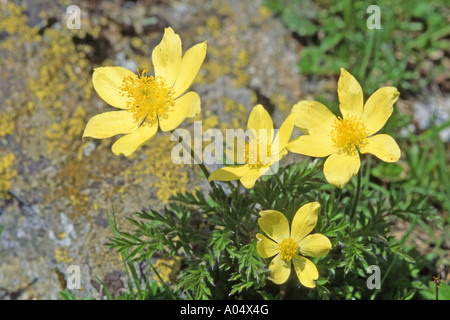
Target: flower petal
284, 134
280, 270
107, 82
248, 180
340, 167
383, 147
190, 65
276, 157
313, 117
129, 143
379, 108
166, 57
266, 247
305, 220
351, 99
274, 224
235, 150
186, 106
315, 245
317, 145
192, 103
306, 271
108, 124
260, 119
229, 173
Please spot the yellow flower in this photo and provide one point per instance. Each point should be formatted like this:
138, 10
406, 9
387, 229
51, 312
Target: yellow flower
147, 100
292, 245
339, 139
258, 155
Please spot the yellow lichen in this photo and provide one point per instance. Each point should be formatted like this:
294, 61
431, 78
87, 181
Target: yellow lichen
265, 13
63, 64
239, 69
61, 235
171, 178
243, 59
213, 25
62, 255
14, 21
168, 184
281, 101
7, 172
238, 110
210, 122
65, 136
72, 182
6, 123
168, 269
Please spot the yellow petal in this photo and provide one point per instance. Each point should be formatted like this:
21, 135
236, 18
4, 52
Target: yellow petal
383, 147
317, 145
190, 65
260, 119
229, 173
306, 271
340, 167
107, 82
193, 104
235, 149
351, 99
166, 57
273, 164
280, 270
315, 245
108, 124
248, 180
274, 224
379, 108
186, 106
305, 220
266, 247
283, 136
129, 143
313, 117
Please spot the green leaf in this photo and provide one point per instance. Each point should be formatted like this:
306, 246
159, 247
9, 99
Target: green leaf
387, 171
430, 292
195, 279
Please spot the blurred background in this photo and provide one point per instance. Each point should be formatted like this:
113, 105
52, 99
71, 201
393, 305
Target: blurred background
55, 188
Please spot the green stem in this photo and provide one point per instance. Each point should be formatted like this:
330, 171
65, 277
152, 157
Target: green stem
197, 161
332, 198
358, 191
367, 55
393, 261
283, 291
330, 205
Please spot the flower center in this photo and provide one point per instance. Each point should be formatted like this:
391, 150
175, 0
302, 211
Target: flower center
347, 133
288, 249
256, 155
148, 97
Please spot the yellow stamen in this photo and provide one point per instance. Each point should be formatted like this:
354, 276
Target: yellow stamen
255, 155
288, 249
348, 133
148, 97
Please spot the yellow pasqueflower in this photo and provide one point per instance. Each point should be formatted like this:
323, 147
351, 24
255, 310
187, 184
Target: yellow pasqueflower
340, 139
258, 155
292, 245
147, 100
